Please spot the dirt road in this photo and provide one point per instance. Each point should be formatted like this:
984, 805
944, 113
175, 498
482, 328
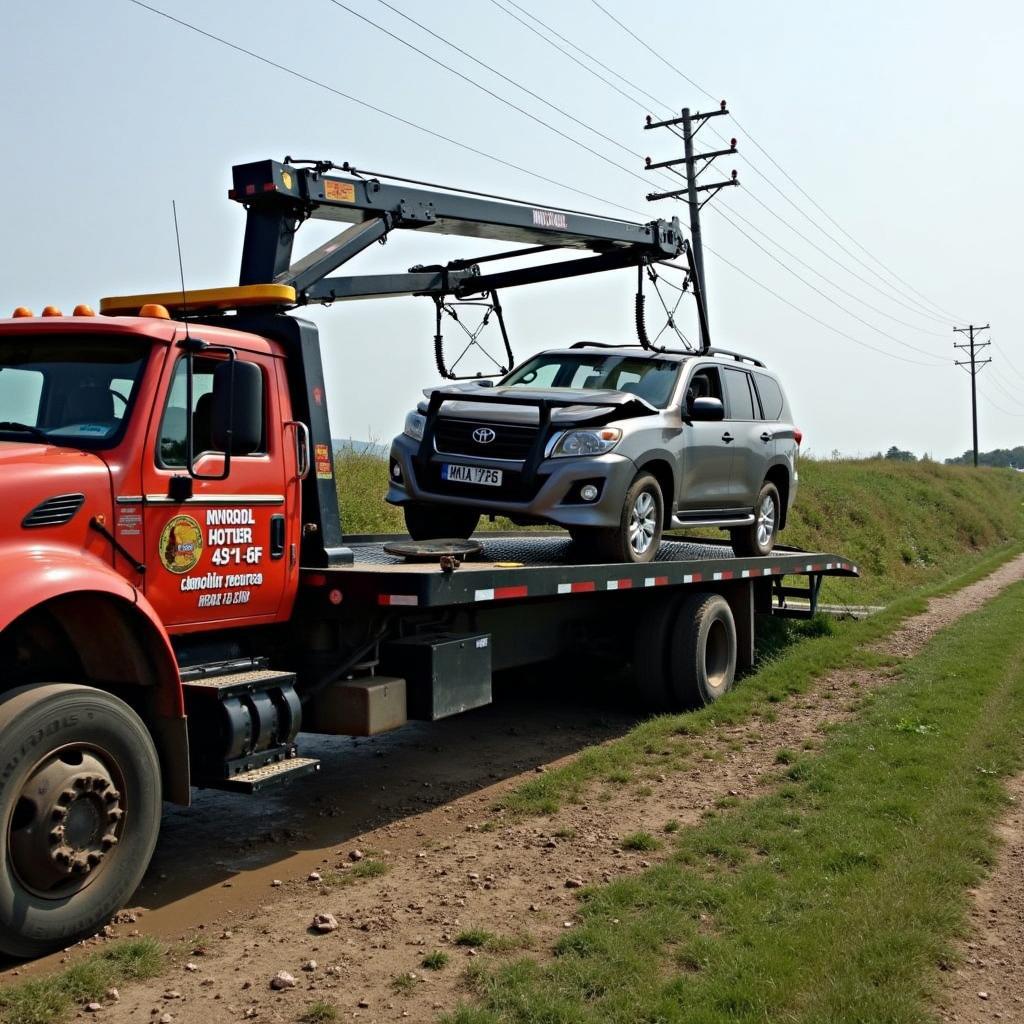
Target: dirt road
421, 802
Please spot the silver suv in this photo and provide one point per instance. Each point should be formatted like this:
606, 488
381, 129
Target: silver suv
614, 444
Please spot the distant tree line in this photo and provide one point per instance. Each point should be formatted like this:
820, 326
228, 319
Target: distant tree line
1002, 458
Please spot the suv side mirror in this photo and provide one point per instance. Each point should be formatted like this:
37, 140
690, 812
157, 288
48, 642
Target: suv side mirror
707, 409
237, 414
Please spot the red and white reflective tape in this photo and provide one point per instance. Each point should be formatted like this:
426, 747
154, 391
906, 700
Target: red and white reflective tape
656, 581
695, 577
500, 593
618, 584
390, 600
580, 587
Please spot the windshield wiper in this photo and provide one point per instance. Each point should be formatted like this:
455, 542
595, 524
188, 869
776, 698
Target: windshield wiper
24, 428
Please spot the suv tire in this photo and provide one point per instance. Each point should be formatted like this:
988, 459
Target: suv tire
638, 535
758, 539
434, 522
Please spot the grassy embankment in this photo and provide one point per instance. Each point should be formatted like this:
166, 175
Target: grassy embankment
836, 896
904, 524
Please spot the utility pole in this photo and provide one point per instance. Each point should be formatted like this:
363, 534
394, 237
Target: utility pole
695, 165
973, 366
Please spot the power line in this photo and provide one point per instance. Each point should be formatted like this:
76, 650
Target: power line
705, 92
552, 32
489, 92
838, 287
1006, 360
378, 110
811, 316
511, 81
828, 298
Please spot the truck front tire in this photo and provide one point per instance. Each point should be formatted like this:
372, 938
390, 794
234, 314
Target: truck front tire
80, 807
437, 522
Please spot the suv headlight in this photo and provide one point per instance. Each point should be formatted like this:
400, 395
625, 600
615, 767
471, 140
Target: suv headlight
415, 423
586, 442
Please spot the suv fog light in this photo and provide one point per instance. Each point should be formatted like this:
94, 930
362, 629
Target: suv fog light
588, 492
396, 470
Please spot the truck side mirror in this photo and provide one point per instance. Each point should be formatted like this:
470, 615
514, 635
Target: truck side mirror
237, 414
707, 409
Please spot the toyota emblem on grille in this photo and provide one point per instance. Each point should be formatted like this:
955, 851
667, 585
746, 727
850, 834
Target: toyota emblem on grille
483, 435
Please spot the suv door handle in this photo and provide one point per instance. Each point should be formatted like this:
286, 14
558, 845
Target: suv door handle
766, 436
727, 437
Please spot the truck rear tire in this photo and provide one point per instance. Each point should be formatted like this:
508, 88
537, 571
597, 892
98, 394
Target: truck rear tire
758, 539
702, 653
649, 664
436, 522
80, 807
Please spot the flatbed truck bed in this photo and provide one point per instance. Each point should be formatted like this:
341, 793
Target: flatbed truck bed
524, 566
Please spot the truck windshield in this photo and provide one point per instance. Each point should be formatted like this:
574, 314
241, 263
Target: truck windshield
650, 379
73, 390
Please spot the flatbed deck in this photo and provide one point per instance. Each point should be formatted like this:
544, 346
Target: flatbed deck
544, 565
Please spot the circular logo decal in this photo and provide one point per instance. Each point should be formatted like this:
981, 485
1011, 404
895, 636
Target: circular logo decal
484, 435
181, 544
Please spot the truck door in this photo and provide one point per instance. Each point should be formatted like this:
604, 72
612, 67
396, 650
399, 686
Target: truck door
226, 553
707, 456
752, 442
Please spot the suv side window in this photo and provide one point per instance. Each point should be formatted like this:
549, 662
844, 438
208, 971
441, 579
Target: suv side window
705, 383
740, 404
772, 401
172, 443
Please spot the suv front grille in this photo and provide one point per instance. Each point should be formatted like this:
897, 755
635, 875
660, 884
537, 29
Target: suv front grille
511, 441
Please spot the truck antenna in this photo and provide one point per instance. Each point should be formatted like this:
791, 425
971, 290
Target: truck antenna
181, 268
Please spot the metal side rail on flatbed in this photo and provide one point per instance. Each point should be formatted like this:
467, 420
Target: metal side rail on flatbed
529, 566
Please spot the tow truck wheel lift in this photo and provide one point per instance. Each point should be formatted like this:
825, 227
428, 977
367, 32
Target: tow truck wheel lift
364, 640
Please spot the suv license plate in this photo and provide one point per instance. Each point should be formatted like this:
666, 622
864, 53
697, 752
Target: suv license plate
470, 474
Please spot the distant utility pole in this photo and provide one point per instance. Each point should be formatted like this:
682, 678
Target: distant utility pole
695, 165
973, 366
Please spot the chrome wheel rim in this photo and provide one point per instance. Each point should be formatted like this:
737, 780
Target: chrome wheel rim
643, 522
766, 521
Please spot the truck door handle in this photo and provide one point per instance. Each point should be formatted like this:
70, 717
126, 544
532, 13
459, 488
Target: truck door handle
277, 537
766, 436
727, 437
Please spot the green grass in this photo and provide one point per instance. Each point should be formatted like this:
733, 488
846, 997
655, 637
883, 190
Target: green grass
436, 960
834, 898
54, 998
319, 1013
778, 680
474, 937
368, 868
403, 984
643, 841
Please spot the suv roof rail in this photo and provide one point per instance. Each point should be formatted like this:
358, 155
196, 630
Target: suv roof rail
604, 344
738, 356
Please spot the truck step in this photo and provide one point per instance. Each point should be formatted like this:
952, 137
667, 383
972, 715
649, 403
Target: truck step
268, 775
230, 684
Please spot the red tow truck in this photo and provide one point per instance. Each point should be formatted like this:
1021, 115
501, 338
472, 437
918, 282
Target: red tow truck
179, 599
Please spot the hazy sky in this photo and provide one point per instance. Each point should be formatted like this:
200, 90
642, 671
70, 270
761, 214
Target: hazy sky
902, 120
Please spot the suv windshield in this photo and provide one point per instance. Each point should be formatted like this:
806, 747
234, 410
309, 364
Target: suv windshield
68, 389
650, 379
